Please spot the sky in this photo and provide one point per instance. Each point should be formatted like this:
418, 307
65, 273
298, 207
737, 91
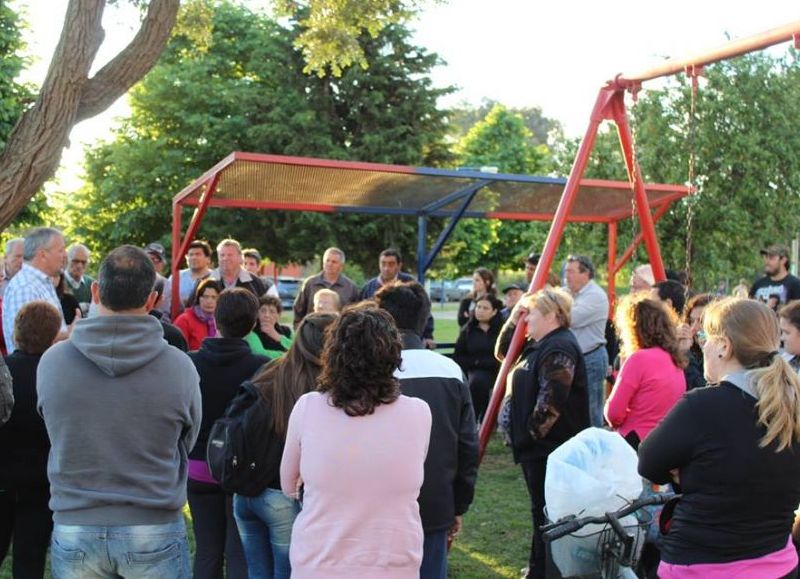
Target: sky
550, 54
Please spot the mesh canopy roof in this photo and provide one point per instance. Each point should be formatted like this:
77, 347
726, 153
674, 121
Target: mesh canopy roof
251, 180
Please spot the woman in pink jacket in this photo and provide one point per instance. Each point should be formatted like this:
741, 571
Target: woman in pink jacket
355, 452
651, 379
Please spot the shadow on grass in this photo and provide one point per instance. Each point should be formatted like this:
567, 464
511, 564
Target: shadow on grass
495, 541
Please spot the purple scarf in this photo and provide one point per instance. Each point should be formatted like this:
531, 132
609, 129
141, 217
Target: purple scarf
211, 323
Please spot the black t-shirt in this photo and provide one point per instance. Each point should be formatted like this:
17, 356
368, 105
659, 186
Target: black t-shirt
775, 293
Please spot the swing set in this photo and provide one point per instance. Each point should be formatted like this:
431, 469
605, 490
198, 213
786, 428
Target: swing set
610, 106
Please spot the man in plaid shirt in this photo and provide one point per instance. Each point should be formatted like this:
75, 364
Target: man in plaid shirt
45, 255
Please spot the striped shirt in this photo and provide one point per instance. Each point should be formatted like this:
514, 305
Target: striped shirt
30, 284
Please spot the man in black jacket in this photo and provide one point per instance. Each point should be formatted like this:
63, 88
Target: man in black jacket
451, 466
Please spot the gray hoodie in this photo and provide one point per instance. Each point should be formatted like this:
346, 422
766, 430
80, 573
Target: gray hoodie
122, 409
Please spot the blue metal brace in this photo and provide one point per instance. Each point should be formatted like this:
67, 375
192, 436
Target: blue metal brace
424, 260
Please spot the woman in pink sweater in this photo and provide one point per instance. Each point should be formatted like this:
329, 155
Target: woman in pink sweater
651, 379
356, 449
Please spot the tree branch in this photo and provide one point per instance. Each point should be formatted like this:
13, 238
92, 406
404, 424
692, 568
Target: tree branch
34, 147
132, 63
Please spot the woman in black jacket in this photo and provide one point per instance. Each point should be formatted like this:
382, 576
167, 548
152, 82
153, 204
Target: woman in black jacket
734, 449
265, 521
692, 325
223, 363
549, 399
482, 284
24, 446
474, 351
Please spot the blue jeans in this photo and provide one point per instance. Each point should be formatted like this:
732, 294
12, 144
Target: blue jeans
265, 526
135, 552
596, 370
434, 556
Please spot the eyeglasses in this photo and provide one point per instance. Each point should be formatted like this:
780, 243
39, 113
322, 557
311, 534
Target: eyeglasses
702, 338
81, 261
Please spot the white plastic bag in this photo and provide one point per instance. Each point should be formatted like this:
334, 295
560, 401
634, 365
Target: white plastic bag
593, 473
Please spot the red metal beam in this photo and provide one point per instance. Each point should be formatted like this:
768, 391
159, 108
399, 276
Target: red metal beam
324, 163
192, 187
194, 225
618, 264
253, 204
620, 117
607, 184
612, 272
545, 217
660, 205
545, 262
175, 298
732, 49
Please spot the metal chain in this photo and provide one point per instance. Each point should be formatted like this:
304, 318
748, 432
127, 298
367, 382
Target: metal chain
635, 167
694, 73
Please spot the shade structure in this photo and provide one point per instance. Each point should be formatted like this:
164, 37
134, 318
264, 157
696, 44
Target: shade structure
260, 181
283, 183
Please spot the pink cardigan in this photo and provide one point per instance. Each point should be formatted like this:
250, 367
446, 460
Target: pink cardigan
648, 386
361, 478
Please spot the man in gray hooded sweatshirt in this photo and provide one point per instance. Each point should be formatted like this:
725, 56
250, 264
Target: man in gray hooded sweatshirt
122, 409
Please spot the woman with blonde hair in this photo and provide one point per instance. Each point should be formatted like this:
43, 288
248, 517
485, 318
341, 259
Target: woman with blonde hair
549, 399
735, 451
651, 379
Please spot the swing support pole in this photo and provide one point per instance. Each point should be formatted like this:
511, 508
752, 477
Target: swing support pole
610, 105
786, 33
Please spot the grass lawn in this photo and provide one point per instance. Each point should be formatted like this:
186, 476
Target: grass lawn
496, 536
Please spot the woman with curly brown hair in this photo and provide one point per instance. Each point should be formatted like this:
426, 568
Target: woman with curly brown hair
358, 448
651, 378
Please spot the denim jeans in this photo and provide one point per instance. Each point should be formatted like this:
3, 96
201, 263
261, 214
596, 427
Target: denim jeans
134, 552
265, 525
434, 556
596, 370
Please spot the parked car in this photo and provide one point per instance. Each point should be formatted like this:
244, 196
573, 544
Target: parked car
446, 287
463, 286
287, 290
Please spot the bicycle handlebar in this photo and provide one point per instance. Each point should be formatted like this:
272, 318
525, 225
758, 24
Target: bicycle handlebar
570, 524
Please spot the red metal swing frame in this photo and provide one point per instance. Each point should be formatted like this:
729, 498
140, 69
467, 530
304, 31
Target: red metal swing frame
610, 106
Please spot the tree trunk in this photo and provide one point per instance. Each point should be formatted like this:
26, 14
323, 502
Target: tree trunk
68, 96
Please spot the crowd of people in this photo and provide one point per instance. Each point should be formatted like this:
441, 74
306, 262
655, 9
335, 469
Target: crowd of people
371, 436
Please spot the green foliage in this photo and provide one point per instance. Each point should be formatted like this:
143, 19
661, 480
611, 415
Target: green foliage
502, 140
747, 163
331, 31
14, 98
464, 116
209, 96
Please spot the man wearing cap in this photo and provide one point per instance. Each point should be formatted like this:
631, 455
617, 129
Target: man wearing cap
156, 253
778, 286
512, 294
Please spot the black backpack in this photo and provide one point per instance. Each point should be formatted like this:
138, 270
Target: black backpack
243, 454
